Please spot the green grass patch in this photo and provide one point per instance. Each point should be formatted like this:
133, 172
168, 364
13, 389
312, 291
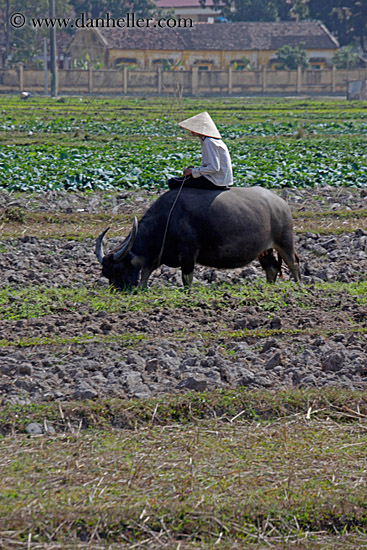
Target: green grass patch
94, 114
342, 214
133, 340
38, 301
124, 340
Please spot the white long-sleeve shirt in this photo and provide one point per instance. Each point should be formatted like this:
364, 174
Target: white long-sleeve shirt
216, 162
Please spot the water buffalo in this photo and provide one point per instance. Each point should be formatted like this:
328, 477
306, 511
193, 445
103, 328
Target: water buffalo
221, 229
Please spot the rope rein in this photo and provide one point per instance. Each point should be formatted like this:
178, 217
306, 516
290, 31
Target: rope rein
168, 220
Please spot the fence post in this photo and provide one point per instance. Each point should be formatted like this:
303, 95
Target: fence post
21, 76
263, 79
45, 68
230, 79
299, 79
125, 80
333, 79
194, 80
90, 80
159, 86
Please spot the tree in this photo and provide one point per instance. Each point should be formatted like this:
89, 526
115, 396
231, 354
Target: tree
330, 12
345, 58
291, 57
246, 10
261, 10
347, 19
354, 17
292, 9
299, 9
25, 44
116, 8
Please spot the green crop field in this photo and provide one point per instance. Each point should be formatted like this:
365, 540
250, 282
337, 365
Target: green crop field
93, 144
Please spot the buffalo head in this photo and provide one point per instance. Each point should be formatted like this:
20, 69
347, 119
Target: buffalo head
118, 265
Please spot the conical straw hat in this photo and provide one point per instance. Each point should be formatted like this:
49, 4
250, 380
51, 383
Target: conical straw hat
201, 124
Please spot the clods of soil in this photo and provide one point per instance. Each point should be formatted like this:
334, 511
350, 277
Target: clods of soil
85, 354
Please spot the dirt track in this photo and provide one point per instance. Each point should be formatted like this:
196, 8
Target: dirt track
319, 340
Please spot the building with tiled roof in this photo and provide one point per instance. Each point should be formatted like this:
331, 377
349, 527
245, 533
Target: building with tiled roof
207, 46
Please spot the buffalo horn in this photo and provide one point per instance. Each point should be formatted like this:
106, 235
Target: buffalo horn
99, 246
127, 244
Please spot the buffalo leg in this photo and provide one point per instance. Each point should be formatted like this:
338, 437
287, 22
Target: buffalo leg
270, 265
144, 277
187, 279
187, 270
292, 261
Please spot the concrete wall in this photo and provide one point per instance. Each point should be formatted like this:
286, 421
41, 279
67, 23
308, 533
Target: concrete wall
193, 82
9, 80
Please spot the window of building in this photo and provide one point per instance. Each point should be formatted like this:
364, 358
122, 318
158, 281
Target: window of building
203, 65
318, 63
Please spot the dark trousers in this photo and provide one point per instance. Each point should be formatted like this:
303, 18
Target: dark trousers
195, 183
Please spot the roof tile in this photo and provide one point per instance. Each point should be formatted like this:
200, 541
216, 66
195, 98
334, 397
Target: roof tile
226, 36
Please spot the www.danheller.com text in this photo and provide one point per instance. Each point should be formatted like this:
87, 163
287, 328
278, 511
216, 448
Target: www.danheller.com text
130, 20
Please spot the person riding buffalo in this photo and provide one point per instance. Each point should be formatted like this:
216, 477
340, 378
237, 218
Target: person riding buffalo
215, 171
